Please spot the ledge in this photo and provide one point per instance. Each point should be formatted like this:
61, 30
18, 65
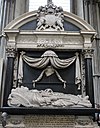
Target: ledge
33, 32
50, 111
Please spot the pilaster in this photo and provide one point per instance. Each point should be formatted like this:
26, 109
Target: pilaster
10, 52
88, 74
9, 72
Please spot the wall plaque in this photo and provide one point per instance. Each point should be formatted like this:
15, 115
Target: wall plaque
53, 121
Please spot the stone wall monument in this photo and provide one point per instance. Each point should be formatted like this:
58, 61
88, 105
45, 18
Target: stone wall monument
49, 71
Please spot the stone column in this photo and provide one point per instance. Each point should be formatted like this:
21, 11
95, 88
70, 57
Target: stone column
80, 8
76, 7
1, 73
9, 72
73, 6
21, 7
89, 75
10, 50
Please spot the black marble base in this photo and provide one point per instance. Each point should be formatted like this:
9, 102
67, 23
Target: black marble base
49, 111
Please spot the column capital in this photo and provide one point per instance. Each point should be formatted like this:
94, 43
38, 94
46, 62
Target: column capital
88, 53
11, 51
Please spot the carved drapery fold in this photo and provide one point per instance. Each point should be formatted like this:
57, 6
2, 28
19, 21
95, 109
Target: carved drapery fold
45, 59
20, 70
42, 62
78, 73
49, 71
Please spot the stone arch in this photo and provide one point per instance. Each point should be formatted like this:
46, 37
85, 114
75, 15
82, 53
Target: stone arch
69, 17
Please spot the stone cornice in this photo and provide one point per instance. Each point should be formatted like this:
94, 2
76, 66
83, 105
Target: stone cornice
30, 32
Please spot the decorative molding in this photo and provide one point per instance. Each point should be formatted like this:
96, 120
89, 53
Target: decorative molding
11, 121
50, 45
84, 121
15, 122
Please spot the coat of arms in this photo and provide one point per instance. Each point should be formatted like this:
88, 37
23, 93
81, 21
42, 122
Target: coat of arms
50, 17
